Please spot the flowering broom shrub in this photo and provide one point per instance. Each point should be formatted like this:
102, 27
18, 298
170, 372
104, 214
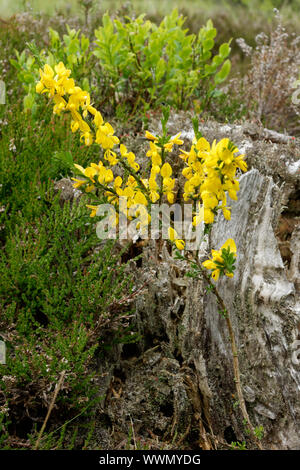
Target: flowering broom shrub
72, 48
209, 170
210, 175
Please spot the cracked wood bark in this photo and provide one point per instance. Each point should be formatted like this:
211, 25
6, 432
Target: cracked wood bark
265, 313
185, 340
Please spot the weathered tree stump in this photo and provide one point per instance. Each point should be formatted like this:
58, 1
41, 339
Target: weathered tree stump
176, 385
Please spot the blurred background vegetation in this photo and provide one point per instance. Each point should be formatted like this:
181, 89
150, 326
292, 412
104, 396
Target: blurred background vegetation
288, 7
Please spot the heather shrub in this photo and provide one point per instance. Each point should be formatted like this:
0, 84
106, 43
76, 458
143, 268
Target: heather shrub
267, 87
61, 290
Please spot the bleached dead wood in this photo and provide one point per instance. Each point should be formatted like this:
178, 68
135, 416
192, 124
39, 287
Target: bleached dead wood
265, 310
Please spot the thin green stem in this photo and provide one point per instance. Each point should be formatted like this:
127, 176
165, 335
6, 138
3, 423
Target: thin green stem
162, 163
140, 183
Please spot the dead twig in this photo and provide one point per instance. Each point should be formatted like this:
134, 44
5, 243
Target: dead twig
57, 389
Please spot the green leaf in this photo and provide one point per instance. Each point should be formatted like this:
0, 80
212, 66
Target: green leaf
198, 134
223, 73
224, 50
73, 46
85, 84
160, 70
206, 55
28, 101
208, 44
15, 64
211, 34
209, 24
54, 37
107, 23
85, 42
217, 60
28, 78
210, 69
29, 62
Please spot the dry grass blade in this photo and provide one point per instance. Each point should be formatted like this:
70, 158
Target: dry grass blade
57, 389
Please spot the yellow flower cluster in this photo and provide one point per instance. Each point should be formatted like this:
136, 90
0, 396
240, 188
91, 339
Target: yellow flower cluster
161, 168
217, 263
210, 172
98, 173
68, 97
173, 236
